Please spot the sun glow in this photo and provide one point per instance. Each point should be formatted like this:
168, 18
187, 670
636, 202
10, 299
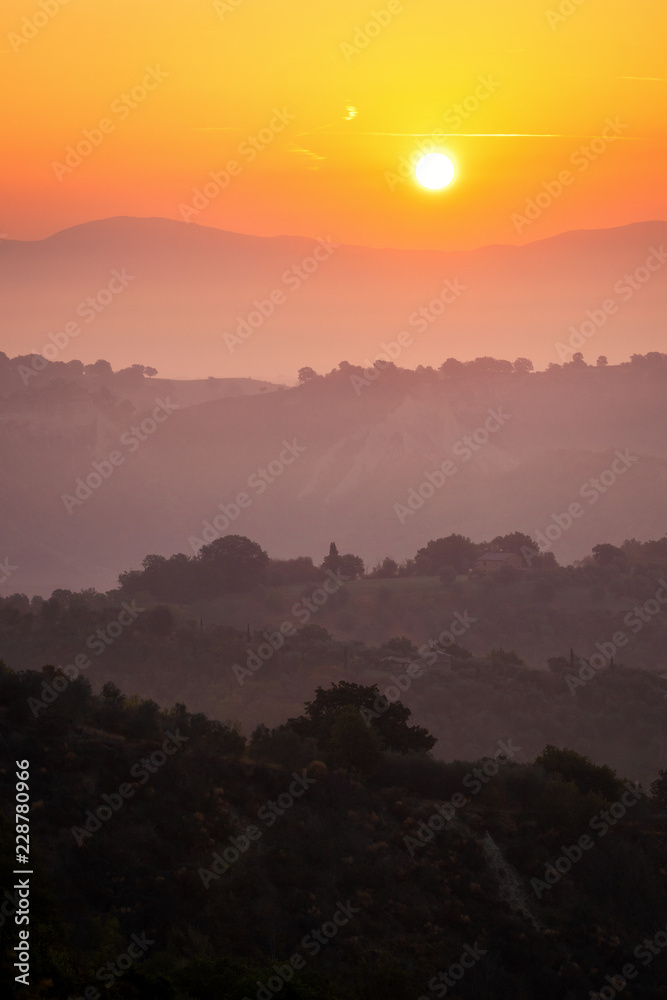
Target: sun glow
435, 171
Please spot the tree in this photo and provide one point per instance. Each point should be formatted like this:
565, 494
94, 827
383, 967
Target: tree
313, 633
352, 744
489, 366
112, 709
588, 777
298, 570
306, 374
515, 542
454, 550
386, 569
231, 563
605, 554
447, 575
351, 566
452, 368
578, 360
388, 718
332, 561
523, 366
101, 368
602, 361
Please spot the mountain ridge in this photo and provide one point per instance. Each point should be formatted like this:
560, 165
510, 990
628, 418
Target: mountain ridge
192, 284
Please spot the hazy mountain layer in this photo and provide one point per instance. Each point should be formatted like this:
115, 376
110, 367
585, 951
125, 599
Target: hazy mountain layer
166, 293
91, 485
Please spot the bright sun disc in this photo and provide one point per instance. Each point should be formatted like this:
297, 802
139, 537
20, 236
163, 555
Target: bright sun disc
435, 171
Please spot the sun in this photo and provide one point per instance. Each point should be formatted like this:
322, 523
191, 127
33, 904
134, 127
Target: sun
435, 171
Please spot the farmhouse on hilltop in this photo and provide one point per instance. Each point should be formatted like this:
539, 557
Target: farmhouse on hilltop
491, 562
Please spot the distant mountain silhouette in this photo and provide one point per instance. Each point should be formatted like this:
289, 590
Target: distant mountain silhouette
190, 284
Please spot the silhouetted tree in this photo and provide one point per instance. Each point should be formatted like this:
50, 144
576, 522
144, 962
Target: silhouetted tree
515, 542
101, 368
572, 766
351, 566
351, 743
386, 569
454, 550
231, 563
389, 718
452, 367
489, 366
332, 561
605, 554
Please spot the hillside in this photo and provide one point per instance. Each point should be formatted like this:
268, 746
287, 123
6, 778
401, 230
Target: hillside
187, 285
206, 867
352, 458
522, 648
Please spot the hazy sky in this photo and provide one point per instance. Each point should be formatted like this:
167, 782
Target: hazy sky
363, 82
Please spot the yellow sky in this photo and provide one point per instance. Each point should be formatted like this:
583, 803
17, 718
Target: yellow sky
533, 83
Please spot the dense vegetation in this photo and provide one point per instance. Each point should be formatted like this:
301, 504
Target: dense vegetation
74, 377
226, 856
521, 663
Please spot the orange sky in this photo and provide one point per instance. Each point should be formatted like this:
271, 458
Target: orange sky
219, 71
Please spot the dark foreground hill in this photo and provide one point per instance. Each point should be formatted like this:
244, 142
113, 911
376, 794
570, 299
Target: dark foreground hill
174, 861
